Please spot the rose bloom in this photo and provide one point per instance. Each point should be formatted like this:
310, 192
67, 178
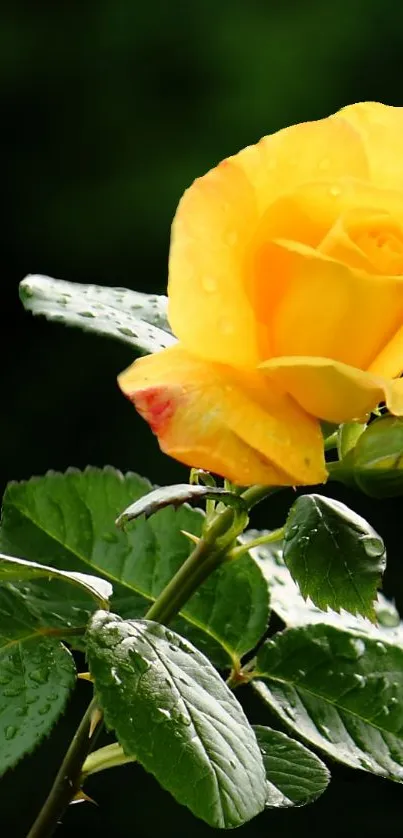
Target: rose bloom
286, 296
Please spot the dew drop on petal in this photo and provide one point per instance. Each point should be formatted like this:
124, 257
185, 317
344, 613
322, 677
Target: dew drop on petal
226, 326
209, 284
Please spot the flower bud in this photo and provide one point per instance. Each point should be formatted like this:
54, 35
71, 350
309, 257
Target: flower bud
375, 464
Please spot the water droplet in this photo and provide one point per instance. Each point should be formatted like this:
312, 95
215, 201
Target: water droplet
291, 530
335, 191
359, 680
10, 732
44, 709
226, 326
387, 615
86, 314
13, 690
374, 547
39, 676
381, 647
358, 646
209, 284
115, 676
21, 711
182, 719
124, 330
164, 712
325, 732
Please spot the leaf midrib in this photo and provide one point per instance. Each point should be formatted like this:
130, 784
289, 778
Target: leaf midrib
132, 589
338, 707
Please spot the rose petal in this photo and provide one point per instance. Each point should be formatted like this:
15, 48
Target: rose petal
207, 416
389, 362
209, 307
322, 307
381, 129
328, 149
332, 391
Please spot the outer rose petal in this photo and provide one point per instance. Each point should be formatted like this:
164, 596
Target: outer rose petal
207, 416
328, 149
321, 307
333, 391
389, 362
381, 129
217, 219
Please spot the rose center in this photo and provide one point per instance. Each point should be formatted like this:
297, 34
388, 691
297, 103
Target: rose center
383, 248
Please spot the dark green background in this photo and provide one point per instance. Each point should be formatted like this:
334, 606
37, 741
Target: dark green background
109, 109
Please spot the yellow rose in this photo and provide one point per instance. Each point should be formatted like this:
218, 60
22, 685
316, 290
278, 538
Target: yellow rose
286, 296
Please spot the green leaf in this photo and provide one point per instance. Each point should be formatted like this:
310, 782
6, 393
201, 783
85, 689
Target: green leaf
67, 521
17, 622
18, 570
172, 711
295, 776
36, 677
287, 602
339, 691
175, 496
375, 464
134, 318
334, 555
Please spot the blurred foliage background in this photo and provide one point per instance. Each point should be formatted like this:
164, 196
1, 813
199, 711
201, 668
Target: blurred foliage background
109, 110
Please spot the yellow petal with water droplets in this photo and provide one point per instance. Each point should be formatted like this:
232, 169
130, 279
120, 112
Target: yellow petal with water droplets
236, 425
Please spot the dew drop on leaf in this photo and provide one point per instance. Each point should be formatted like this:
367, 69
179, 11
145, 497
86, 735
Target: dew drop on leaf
39, 676
44, 709
13, 690
373, 547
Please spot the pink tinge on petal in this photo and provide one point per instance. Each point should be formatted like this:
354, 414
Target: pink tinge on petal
156, 405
